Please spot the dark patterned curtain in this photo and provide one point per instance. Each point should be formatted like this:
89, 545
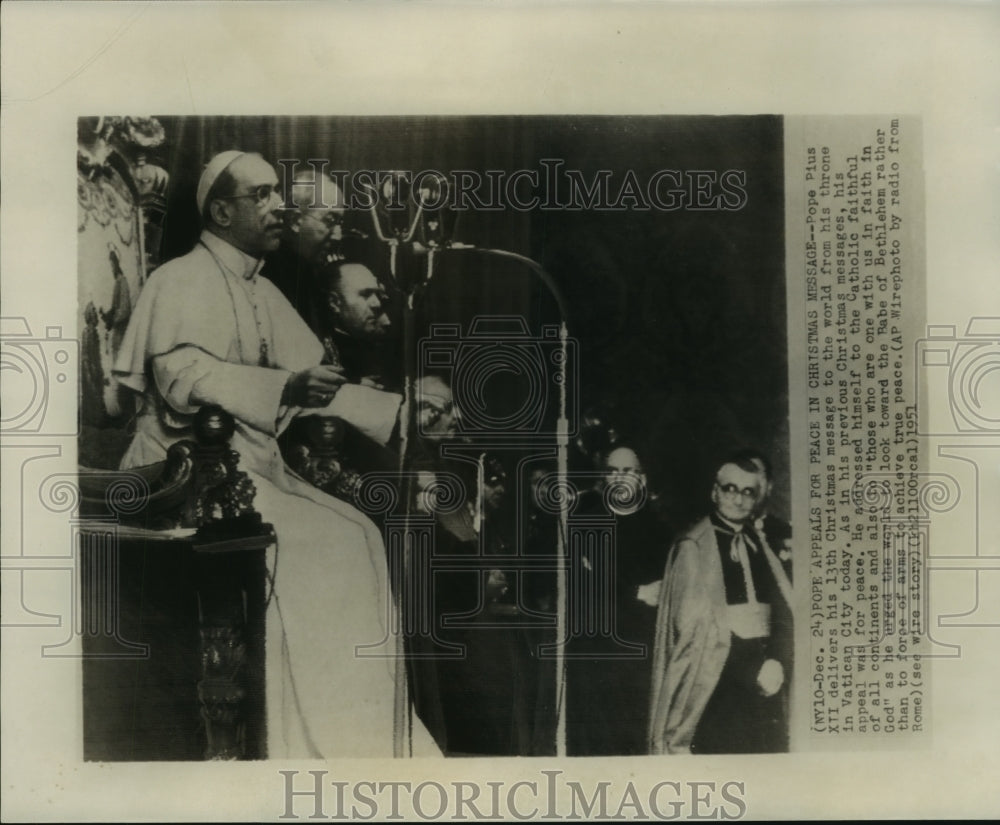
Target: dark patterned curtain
351, 143
680, 315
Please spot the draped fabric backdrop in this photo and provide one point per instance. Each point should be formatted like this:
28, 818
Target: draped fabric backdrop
680, 315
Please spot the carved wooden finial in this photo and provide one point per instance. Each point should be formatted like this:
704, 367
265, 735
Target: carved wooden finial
213, 426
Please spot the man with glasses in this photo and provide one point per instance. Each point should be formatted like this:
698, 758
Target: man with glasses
770, 526
719, 677
207, 329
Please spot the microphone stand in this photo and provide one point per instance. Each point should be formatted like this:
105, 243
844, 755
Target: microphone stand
393, 237
411, 293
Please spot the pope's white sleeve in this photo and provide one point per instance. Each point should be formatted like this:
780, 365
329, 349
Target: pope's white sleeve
189, 377
372, 412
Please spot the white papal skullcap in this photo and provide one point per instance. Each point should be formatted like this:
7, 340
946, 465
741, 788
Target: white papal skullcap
215, 167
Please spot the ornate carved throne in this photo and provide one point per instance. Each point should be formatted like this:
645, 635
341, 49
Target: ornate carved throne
172, 580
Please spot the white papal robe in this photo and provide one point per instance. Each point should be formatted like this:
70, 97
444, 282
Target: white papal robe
196, 338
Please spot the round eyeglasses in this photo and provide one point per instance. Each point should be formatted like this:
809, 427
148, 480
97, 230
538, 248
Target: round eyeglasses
732, 491
330, 219
261, 194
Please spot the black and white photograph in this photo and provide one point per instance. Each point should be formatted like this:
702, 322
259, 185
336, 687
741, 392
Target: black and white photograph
445, 404
463, 411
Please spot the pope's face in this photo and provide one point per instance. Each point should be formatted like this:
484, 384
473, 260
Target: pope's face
736, 492
255, 227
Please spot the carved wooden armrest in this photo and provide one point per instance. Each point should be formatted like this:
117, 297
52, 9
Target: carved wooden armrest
313, 448
199, 482
191, 513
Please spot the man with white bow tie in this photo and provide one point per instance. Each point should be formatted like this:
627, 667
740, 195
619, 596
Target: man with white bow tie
719, 681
